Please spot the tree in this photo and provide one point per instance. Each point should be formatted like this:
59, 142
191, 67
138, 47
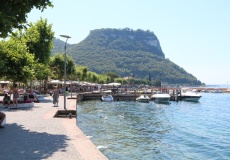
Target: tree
41, 71
57, 65
112, 75
13, 13
17, 64
39, 39
120, 80
150, 78
94, 78
84, 74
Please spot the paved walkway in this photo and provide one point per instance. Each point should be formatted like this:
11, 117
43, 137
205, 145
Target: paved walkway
33, 133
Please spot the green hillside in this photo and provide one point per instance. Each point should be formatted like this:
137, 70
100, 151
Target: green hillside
59, 46
127, 52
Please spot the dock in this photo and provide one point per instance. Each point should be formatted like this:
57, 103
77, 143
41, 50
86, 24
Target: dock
174, 96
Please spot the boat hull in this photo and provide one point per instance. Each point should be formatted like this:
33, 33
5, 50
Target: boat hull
188, 95
143, 100
191, 98
107, 98
161, 100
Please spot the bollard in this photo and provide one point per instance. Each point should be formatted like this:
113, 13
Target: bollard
70, 115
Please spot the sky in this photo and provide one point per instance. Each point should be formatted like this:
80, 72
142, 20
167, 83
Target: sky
194, 34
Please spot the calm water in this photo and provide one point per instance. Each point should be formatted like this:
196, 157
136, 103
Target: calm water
181, 130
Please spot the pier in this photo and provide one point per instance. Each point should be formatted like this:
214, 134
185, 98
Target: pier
132, 95
174, 94
117, 96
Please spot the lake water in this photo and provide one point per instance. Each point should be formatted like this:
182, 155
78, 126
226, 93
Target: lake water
181, 130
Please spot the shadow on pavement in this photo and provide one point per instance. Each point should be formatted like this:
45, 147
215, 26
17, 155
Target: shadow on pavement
19, 143
45, 100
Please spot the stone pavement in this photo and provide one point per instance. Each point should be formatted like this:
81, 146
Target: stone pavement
34, 134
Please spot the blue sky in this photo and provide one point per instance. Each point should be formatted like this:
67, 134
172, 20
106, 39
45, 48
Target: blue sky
193, 34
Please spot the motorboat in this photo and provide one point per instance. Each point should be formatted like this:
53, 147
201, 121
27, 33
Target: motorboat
216, 91
160, 97
107, 98
188, 95
143, 98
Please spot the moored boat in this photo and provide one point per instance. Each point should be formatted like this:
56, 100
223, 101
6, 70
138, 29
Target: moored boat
189, 95
107, 98
143, 98
160, 97
216, 91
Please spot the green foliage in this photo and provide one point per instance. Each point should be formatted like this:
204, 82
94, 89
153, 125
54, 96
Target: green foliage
57, 66
39, 39
121, 80
123, 40
112, 75
17, 63
26, 54
41, 71
156, 83
13, 13
141, 81
59, 46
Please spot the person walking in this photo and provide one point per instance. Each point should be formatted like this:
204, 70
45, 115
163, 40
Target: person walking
55, 95
15, 95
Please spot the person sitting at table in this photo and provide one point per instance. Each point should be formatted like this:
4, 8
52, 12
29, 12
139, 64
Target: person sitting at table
6, 99
33, 96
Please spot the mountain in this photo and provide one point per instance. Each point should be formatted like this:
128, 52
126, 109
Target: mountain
59, 46
127, 52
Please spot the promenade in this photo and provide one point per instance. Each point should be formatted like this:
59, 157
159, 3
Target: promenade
34, 134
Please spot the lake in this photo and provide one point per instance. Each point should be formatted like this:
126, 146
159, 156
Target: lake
180, 130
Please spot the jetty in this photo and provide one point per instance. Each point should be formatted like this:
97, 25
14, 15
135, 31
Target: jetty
132, 95
128, 96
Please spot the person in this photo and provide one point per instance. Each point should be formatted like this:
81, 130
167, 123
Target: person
55, 95
33, 96
2, 117
6, 99
15, 95
66, 90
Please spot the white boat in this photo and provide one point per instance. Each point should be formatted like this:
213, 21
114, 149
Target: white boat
189, 95
216, 91
143, 98
107, 98
160, 97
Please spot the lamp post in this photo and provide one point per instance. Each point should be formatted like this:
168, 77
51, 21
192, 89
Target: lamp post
67, 37
160, 83
71, 82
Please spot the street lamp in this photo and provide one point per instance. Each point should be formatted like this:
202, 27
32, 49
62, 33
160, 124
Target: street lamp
71, 82
67, 37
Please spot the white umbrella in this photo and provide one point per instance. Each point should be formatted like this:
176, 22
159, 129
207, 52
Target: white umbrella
55, 82
114, 84
4, 81
67, 82
75, 82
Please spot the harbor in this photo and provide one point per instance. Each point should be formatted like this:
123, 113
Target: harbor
182, 130
175, 94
